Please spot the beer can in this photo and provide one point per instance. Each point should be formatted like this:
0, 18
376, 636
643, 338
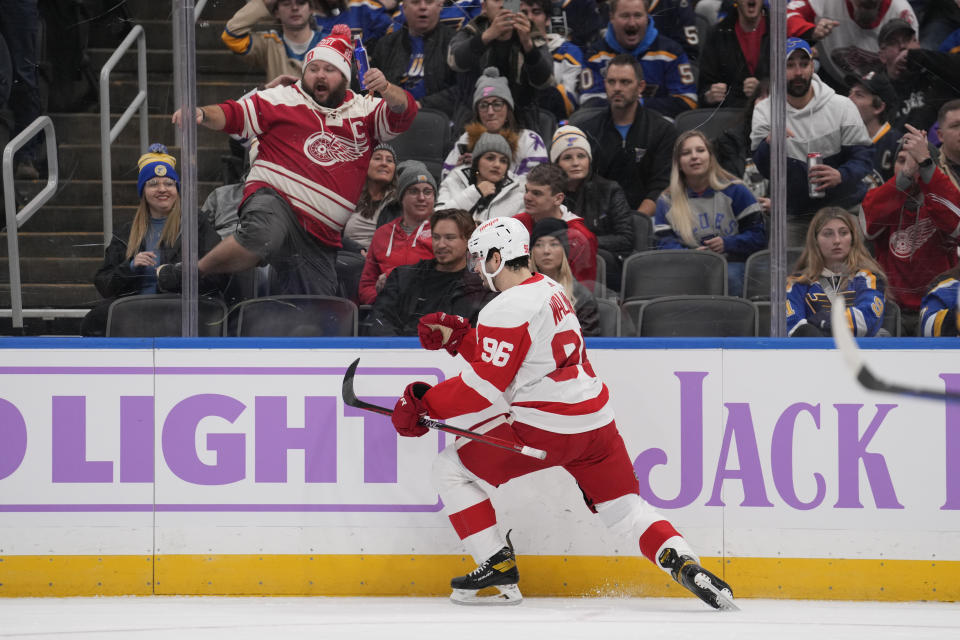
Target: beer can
360, 55
813, 159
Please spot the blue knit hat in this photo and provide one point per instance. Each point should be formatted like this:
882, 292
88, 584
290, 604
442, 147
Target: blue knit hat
156, 163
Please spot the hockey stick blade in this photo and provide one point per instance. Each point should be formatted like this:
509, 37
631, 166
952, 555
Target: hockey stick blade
350, 398
847, 345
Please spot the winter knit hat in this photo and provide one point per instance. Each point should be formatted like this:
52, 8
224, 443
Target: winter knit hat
569, 137
335, 49
491, 142
551, 227
156, 163
411, 172
383, 146
490, 84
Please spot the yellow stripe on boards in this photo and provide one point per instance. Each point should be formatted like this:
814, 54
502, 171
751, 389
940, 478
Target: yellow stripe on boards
46, 576
429, 575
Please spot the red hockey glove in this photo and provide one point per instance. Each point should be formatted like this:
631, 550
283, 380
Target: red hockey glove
409, 409
440, 329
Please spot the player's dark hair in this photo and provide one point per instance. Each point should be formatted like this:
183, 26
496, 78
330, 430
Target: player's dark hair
515, 263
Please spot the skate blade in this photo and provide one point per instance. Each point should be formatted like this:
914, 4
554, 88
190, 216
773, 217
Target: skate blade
724, 597
508, 595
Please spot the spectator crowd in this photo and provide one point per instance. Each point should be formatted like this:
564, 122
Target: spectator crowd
608, 128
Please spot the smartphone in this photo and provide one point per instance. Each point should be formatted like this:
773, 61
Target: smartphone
462, 147
511, 5
709, 236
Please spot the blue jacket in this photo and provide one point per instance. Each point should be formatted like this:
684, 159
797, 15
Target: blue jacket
863, 295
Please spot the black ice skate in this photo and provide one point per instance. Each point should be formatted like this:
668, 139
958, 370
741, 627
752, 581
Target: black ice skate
703, 584
499, 571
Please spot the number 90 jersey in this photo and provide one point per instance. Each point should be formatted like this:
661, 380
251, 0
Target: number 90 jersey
528, 348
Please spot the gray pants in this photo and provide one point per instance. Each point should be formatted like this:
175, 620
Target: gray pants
299, 263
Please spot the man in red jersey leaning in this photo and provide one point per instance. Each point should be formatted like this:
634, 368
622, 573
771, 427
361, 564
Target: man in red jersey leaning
315, 141
527, 347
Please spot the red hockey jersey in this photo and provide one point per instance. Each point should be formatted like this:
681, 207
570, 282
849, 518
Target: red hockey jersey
313, 156
527, 347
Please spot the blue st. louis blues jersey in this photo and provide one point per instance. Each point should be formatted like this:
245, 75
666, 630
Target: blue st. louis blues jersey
863, 295
938, 311
670, 84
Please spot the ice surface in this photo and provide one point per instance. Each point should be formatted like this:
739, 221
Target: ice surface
196, 618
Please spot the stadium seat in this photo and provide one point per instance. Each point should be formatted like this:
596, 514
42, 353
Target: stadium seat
756, 276
710, 121
428, 140
668, 272
693, 316
600, 288
160, 315
609, 313
642, 232
297, 315
349, 268
763, 317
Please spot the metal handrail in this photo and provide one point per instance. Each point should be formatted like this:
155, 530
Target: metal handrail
16, 219
108, 134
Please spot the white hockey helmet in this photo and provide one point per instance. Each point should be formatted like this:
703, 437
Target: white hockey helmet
506, 235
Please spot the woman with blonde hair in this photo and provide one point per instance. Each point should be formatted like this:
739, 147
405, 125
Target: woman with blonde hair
708, 209
549, 247
150, 240
835, 262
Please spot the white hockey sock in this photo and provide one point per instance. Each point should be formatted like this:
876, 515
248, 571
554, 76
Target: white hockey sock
467, 505
631, 516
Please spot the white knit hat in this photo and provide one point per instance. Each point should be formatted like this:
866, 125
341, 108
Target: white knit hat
336, 49
569, 137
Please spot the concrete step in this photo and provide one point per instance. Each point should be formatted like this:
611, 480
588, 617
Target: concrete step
90, 192
53, 295
58, 270
161, 60
84, 128
56, 244
52, 218
82, 161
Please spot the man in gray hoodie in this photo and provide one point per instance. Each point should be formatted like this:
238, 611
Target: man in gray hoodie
818, 121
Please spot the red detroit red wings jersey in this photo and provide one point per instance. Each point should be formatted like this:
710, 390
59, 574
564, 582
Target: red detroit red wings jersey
315, 157
528, 348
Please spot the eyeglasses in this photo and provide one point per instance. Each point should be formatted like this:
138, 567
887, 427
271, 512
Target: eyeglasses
495, 105
425, 192
157, 183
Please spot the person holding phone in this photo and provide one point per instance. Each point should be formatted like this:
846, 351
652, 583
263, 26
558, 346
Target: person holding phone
707, 209
502, 37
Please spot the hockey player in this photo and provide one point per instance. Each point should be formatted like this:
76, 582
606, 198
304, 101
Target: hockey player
527, 346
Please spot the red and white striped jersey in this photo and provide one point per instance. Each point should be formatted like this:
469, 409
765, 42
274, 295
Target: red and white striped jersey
527, 347
313, 156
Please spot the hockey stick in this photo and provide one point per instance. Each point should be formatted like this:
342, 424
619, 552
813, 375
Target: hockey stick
847, 345
350, 398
